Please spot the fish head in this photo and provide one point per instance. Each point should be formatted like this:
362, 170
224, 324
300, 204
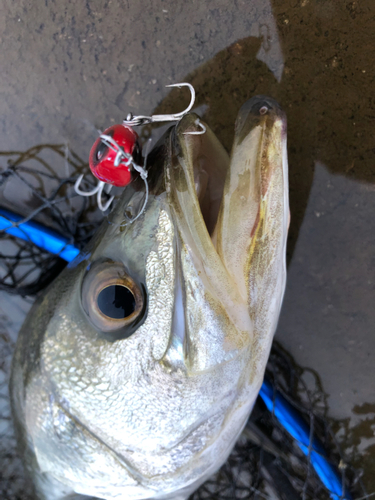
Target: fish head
136, 371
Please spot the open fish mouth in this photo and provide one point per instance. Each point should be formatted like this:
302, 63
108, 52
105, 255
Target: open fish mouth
206, 168
228, 212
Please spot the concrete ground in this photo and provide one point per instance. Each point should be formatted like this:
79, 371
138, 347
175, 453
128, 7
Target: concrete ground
68, 68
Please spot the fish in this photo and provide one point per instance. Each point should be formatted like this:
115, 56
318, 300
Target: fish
136, 370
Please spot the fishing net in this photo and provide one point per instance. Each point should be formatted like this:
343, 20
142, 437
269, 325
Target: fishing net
30, 187
267, 462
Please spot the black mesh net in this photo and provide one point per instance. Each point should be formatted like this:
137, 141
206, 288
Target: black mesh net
266, 463
30, 187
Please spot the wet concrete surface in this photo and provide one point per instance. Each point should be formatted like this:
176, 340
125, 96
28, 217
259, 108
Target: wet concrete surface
68, 68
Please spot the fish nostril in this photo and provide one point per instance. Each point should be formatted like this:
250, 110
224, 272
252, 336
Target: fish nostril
261, 104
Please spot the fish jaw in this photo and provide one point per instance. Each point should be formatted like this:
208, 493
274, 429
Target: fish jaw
232, 258
153, 414
216, 324
256, 197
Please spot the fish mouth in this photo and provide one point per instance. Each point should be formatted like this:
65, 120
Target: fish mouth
231, 220
205, 163
222, 204
202, 168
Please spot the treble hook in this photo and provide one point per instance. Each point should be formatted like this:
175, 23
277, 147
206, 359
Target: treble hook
127, 159
133, 121
98, 190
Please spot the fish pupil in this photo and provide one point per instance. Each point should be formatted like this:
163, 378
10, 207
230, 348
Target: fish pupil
116, 302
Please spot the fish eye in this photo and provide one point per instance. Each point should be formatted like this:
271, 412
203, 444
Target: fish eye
112, 299
263, 110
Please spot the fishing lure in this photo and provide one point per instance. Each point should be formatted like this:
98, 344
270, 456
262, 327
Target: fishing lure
112, 154
116, 155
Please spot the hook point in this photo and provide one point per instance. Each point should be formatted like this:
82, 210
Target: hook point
201, 132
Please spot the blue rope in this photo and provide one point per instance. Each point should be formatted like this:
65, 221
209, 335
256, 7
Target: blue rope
35, 233
275, 402
293, 423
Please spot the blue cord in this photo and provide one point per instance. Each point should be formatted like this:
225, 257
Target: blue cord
293, 422
41, 236
285, 413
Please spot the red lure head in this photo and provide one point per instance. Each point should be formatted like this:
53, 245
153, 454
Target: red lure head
102, 157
